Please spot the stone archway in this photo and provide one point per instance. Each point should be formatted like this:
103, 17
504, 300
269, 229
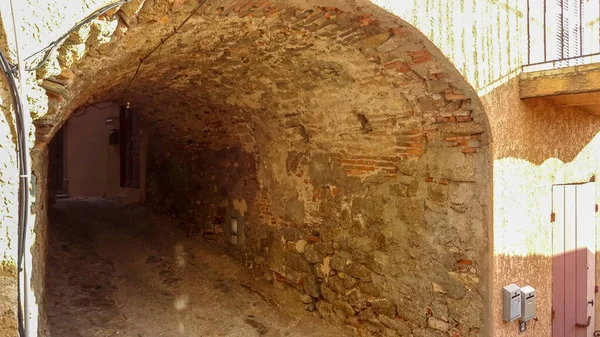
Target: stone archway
359, 154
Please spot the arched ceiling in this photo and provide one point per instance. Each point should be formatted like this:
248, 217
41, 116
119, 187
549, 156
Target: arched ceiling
235, 73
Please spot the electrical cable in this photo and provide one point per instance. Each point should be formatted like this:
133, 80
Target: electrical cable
92, 105
24, 205
53, 45
162, 41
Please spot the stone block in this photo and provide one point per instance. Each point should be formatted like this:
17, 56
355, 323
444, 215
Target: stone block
311, 286
328, 294
438, 324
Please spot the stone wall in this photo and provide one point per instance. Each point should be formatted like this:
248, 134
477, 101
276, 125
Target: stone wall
201, 188
389, 254
362, 155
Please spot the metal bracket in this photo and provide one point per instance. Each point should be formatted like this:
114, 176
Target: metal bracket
589, 321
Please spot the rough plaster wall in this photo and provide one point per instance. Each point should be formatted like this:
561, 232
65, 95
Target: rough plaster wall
8, 225
555, 146
9, 179
368, 94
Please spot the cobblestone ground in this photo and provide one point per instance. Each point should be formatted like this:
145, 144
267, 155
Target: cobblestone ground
122, 271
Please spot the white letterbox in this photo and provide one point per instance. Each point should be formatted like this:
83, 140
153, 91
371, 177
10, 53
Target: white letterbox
527, 303
511, 296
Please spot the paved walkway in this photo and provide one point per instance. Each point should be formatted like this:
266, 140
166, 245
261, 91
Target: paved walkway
122, 271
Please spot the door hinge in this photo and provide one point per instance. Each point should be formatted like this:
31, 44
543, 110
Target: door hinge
596, 207
552, 217
553, 314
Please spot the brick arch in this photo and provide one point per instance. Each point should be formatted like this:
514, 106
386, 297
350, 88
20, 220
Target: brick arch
356, 88
399, 54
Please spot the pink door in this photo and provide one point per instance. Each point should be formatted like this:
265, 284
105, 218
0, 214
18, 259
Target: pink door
573, 262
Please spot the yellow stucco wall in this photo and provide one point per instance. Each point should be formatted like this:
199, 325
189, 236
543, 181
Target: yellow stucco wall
535, 143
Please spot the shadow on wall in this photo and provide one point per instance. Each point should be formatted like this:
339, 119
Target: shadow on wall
567, 297
537, 145
539, 131
198, 187
573, 293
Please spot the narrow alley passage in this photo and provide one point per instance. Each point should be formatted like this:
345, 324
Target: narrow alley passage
123, 271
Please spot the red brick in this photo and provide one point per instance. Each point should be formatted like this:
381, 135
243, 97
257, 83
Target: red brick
412, 132
464, 119
385, 164
452, 96
364, 157
312, 239
365, 168
415, 151
468, 150
456, 138
398, 31
365, 20
467, 262
420, 56
403, 144
400, 66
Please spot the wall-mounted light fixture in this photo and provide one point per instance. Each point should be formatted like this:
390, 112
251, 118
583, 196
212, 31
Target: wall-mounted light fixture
112, 123
233, 231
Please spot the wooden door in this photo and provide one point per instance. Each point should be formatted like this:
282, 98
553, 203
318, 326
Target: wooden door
573, 262
129, 139
56, 163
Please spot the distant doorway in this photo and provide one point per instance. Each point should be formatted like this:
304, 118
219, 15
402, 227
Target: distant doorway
130, 148
573, 262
